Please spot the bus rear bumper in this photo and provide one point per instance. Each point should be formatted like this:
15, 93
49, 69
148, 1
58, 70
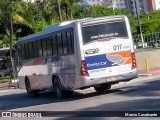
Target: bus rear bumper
83, 82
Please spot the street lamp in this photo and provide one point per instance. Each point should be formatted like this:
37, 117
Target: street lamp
140, 28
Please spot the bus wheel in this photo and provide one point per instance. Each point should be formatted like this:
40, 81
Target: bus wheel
58, 88
30, 92
102, 88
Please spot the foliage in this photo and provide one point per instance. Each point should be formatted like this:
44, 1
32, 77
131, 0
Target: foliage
30, 17
151, 22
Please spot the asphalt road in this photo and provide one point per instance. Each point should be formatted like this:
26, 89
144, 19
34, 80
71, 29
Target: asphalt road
141, 94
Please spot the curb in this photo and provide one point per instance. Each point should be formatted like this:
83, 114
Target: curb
140, 78
144, 75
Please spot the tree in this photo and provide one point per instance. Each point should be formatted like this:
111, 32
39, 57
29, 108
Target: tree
49, 10
11, 12
68, 6
150, 22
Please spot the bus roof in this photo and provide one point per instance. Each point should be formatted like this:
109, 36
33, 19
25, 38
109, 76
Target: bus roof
62, 25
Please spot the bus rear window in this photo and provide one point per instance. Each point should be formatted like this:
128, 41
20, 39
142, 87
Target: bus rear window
91, 32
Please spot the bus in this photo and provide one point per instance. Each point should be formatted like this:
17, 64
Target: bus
5, 62
78, 54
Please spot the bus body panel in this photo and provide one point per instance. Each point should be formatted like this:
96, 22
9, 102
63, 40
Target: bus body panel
107, 79
105, 58
40, 71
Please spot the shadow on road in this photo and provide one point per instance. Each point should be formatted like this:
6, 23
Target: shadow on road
20, 100
145, 89
147, 98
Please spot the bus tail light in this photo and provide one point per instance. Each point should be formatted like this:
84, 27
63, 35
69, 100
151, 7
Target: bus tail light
84, 71
134, 65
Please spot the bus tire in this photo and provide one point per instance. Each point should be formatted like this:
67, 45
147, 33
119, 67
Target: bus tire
30, 92
102, 88
57, 87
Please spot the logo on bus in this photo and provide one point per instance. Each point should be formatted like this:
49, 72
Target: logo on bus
97, 64
91, 51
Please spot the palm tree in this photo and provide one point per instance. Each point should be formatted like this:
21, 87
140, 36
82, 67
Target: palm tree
67, 6
49, 10
12, 11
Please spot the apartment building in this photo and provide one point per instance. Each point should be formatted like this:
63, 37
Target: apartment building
137, 6
94, 2
119, 4
156, 4
133, 6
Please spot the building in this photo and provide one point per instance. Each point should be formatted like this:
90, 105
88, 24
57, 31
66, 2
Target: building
94, 2
156, 4
151, 5
119, 4
132, 6
137, 6
29, 1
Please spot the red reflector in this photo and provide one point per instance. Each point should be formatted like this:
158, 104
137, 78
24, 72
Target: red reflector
134, 65
84, 71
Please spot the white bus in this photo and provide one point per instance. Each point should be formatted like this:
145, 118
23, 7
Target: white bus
92, 52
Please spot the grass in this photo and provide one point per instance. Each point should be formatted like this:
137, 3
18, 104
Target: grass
5, 79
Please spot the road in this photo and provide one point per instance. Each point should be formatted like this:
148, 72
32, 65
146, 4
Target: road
142, 94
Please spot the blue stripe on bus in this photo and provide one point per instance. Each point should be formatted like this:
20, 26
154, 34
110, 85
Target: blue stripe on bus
97, 62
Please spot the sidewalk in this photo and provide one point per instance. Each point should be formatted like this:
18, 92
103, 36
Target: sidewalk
7, 86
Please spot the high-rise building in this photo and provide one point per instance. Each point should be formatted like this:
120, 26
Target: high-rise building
137, 6
29, 0
133, 6
115, 3
156, 4
94, 2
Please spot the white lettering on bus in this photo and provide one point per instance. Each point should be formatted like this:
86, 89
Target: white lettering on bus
96, 64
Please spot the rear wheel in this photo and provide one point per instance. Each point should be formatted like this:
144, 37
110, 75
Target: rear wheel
102, 88
30, 92
60, 94
58, 88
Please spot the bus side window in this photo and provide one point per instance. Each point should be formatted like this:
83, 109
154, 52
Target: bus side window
72, 41
70, 44
49, 46
39, 48
28, 53
26, 50
44, 48
54, 45
23, 51
60, 43
64, 39
30, 50
35, 49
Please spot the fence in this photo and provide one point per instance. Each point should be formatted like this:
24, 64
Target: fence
150, 40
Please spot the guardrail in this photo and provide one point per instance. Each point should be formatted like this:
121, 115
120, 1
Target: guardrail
150, 40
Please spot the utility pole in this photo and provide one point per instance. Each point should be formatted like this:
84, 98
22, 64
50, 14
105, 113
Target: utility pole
59, 10
113, 7
139, 25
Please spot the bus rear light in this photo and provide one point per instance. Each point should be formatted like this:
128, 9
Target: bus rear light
134, 65
84, 71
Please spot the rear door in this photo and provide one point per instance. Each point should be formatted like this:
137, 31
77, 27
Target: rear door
107, 48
